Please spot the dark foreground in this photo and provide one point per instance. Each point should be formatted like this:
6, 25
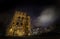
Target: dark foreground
43, 36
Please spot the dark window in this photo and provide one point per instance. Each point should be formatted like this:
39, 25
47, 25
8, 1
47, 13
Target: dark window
22, 18
13, 22
19, 17
17, 23
21, 23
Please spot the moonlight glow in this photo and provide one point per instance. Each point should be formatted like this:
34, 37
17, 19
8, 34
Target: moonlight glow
46, 18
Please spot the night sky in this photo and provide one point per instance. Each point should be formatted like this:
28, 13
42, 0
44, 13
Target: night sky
7, 9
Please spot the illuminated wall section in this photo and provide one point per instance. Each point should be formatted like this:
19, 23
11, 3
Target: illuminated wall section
20, 25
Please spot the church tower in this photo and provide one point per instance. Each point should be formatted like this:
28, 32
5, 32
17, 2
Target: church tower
20, 25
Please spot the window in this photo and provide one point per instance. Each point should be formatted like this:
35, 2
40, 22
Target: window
17, 23
19, 17
21, 23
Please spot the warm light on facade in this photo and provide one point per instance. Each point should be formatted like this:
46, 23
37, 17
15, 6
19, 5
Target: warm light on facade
18, 26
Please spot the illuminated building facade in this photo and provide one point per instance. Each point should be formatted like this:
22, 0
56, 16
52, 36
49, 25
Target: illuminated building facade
20, 25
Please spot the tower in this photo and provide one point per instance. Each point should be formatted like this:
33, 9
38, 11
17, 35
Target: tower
20, 25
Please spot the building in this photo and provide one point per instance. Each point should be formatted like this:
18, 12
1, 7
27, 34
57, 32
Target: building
20, 25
